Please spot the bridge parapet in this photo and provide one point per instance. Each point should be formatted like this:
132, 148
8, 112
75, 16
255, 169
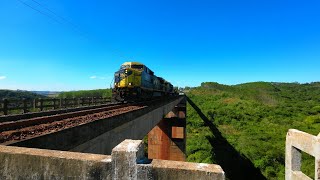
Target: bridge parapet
297, 141
124, 163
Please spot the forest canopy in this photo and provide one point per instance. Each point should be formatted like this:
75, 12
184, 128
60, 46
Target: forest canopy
254, 119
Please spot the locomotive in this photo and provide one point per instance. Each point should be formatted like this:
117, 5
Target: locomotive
135, 82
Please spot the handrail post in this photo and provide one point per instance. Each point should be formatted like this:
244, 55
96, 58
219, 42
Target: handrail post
81, 101
73, 102
34, 104
65, 102
60, 103
5, 106
41, 104
54, 103
24, 105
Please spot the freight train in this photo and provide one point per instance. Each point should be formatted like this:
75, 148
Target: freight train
135, 82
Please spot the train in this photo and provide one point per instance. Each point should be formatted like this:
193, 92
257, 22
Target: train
134, 81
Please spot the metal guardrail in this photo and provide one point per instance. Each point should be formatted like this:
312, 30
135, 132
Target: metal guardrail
26, 105
297, 141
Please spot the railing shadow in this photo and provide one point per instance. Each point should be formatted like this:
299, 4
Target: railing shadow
235, 165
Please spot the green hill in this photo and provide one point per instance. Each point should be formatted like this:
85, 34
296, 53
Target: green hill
247, 125
11, 94
106, 93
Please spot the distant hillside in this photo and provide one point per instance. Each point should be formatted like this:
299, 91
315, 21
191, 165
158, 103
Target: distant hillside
47, 93
19, 94
267, 92
254, 119
106, 93
11, 94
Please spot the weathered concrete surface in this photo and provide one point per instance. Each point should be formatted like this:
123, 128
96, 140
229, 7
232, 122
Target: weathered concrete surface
124, 163
124, 158
297, 141
163, 169
30, 163
102, 135
145, 172
167, 140
127, 155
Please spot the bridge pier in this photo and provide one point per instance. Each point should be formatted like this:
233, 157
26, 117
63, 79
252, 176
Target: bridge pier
167, 140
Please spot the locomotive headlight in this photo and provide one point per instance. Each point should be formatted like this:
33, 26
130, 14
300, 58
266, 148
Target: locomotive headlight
130, 84
115, 83
126, 71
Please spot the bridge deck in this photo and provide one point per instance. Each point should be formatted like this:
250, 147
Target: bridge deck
102, 134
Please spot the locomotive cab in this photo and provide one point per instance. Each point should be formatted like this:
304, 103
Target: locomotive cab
127, 81
129, 75
134, 81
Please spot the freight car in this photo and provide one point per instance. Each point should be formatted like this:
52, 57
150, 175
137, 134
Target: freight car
134, 82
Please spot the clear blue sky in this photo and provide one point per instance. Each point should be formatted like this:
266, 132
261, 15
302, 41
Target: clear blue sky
77, 44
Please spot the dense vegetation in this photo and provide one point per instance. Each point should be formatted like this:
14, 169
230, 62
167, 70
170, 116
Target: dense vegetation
10, 94
106, 93
243, 127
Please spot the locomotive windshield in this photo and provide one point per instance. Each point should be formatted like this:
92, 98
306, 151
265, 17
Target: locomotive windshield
125, 66
140, 67
134, 66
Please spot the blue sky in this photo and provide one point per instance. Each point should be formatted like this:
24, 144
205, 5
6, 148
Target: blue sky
72, 45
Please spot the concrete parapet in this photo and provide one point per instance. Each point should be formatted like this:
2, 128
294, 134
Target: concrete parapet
163, 169
126, 162
127, 156
124, 158
30, 163
297, 141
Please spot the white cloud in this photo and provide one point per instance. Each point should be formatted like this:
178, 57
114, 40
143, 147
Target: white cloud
2, 77
99, 77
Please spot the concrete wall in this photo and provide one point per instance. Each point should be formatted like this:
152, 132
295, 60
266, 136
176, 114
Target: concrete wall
124, 163
30, 163
297, 141
124, 155
163, 169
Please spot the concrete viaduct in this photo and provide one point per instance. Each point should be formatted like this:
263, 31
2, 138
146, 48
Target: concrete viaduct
110, 148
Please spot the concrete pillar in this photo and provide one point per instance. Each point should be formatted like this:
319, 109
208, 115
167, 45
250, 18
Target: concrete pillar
296, 142
124, 159
167, 140
128, 162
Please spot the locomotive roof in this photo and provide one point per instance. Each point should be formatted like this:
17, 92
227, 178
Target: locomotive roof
138, 63
132, 63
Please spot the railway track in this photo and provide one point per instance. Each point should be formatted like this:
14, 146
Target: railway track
14, 131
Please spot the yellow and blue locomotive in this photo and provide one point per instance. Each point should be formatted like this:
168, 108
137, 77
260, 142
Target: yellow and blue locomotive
135, 81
